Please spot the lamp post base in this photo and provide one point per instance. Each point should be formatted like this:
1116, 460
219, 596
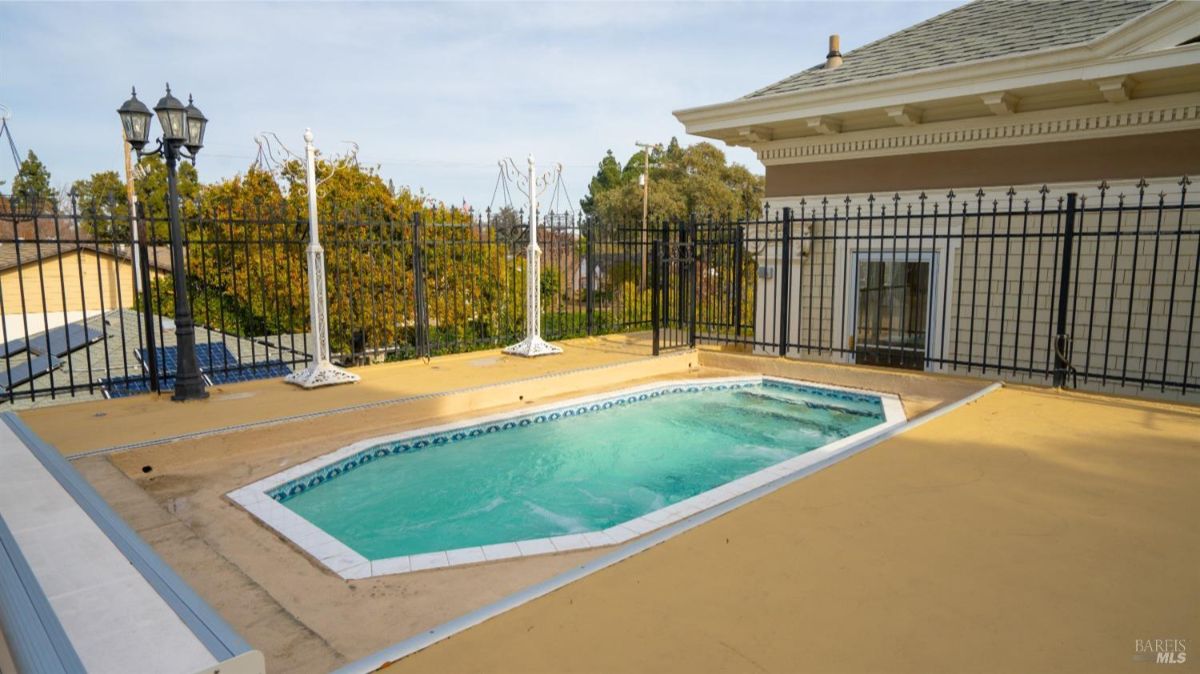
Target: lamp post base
531, 347
189, 388
321, 374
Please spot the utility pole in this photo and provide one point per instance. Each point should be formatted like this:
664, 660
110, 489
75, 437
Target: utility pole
131, 197
646, 147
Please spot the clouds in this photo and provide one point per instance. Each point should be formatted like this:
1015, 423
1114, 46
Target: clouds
434, 93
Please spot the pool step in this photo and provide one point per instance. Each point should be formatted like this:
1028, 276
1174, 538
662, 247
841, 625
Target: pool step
761, 395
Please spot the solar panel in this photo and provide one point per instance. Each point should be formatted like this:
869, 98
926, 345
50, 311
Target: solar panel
218, 363
120, 387
14, 347
64, 339
265, 370
209, 356
23, 372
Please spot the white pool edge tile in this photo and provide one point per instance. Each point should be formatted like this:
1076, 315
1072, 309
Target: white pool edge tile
350, 565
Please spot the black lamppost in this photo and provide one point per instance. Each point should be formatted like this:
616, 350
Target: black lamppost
182, 127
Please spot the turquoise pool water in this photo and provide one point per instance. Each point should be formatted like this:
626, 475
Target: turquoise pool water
569, 474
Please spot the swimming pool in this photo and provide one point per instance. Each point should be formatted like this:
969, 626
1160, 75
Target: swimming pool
582, 473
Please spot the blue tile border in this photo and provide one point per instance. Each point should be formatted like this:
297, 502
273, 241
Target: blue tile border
333, 470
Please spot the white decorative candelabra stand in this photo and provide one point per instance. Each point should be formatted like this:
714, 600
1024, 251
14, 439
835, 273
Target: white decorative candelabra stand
533, 344
320, 372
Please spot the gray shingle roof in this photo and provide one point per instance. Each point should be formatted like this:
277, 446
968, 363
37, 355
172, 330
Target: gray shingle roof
20, 253
978, 30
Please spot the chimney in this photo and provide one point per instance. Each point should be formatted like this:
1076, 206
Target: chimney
834, 58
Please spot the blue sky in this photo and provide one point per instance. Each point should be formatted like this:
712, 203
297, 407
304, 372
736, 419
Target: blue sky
433, 93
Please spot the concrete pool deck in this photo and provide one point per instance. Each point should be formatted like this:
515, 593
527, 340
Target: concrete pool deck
1032, 530
1028, 531
80, 427
302, 617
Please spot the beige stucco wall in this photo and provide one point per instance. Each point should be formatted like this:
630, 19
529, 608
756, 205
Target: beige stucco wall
75, 281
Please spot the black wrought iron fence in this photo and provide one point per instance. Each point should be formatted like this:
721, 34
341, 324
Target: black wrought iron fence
88, 305
1093, 287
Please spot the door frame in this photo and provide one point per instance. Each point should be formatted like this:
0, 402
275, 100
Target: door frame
939, 279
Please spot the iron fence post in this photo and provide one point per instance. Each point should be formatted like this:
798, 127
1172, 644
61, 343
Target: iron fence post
1062, 341
589, 278
693, 287
663, 287
785, 283
654, 304
738, 243
680, 275
420, 306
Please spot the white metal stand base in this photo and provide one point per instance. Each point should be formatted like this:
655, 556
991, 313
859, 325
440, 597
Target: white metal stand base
320, 372
323, 374
531, 347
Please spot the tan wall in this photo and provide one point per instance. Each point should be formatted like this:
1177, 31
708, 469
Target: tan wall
1158, 154
72, 282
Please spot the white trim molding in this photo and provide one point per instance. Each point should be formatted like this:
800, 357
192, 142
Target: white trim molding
1153, 115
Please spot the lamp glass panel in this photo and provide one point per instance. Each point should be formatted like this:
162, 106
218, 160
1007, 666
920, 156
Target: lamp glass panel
136, 126
195, 136
173, 123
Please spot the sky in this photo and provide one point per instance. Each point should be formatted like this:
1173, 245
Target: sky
434, 94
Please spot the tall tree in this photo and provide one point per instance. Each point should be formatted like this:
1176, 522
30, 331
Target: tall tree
695, 180
150, 182
31, 190
607, 177
102, 207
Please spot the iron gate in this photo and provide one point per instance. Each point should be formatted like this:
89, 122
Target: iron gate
673, 288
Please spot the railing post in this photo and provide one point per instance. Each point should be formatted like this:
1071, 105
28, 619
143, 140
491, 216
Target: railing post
738, 281
420, 303
693, 290
785, 283
1062, 341
654, 303
589, 278
680, 275
664, 280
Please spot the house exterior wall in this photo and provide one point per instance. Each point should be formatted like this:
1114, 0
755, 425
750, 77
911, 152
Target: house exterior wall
996, 280
1135, 156
76, 281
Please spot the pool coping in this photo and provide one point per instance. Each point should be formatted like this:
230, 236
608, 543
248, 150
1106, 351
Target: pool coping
350, 565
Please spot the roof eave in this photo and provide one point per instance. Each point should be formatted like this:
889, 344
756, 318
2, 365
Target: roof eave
1068, 62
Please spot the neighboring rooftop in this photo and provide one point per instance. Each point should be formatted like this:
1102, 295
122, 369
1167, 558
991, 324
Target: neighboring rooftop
976, 31
19, 253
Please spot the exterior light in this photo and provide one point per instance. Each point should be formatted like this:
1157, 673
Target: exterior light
172, 117
196, 122
135, 118
182, 127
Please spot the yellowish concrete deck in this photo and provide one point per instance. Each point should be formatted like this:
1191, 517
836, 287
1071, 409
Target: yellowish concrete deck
308, 620
1030, 531
100, 424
